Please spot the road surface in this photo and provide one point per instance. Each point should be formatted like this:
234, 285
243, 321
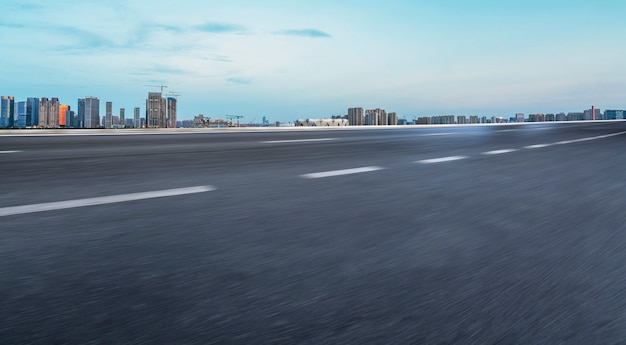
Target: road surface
442, 235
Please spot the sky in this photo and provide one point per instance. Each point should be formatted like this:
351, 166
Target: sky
288, 60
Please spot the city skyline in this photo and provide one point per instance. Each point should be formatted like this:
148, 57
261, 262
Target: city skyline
287, 60
161, 112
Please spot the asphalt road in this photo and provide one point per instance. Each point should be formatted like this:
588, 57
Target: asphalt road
442, 235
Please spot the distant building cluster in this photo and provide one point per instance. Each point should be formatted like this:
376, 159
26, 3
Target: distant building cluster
355, 117
161, 112
50, 113
321, 123
371, 117
378, 117
587, 115
201, 121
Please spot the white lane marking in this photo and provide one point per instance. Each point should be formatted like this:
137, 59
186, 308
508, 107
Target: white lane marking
572, 141
296, 141
509, 130
499, 152
111, 199
589, 138
1, 152
538, 146
341, 172
441, 160
436, 134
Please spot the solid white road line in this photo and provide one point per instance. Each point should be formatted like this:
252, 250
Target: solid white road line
499, 152
1, 152
111, 199
538, 146
441, 160
342, 172
509, 130
296, 141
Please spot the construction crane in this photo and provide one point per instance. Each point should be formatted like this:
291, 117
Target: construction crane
231, 117
159, 86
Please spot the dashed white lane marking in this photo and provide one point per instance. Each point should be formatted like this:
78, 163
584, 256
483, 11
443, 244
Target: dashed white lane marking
589, 138
538, 146
296, 141
509, 130
441, 160
564, 142
342, 172
111, 199
499, 152
2, 152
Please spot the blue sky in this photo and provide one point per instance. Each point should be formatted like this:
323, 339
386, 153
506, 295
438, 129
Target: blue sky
297, 59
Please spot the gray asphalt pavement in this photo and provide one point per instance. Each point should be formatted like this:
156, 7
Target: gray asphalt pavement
443, 235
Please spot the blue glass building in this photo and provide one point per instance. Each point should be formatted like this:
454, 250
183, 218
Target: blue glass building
21, 115
7, 111
32, 112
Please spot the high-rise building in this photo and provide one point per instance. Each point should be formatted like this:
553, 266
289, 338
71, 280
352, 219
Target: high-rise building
44, 112
7, 111
461, 119
63, 110
32, 112
519, 117
88, 112
21, 115
136, 120
53, 117
589, 114
122, 117
382, 118
71, 118
392, 119
80, 120
613, 114
171, 112
49, 112
92, 112
108, 122
155, 111
81, 114
371, 118
355, 117
374, 117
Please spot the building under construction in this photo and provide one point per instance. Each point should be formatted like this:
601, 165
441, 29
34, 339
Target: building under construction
160, 111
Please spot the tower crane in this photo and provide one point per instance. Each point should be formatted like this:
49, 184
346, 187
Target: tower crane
235, 117
159, 86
